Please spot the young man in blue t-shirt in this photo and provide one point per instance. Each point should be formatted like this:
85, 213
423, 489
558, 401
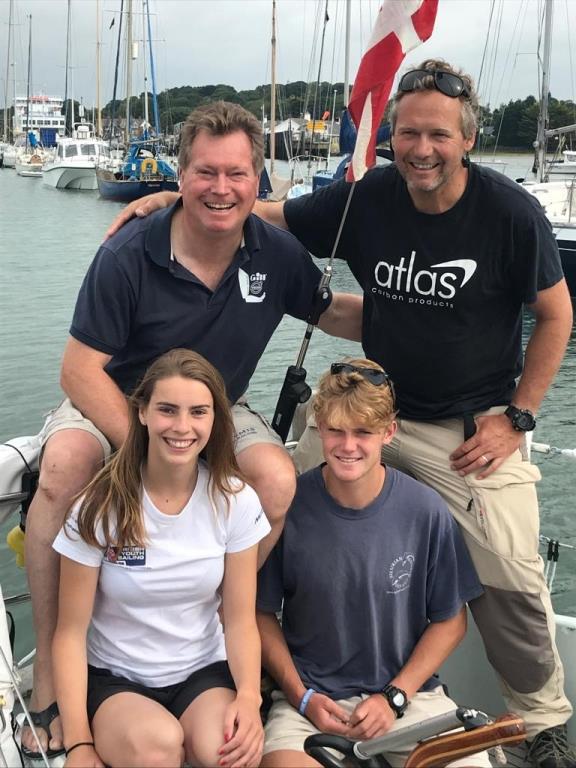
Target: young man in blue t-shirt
372, 576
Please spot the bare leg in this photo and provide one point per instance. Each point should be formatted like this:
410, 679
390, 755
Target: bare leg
71, 458
131, 730
203, 724
270, 471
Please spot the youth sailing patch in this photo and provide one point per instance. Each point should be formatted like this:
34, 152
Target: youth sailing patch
252, 286
126, 556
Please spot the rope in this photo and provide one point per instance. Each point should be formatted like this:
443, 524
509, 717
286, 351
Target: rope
552, 450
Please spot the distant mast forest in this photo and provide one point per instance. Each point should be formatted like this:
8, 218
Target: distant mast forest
509, 127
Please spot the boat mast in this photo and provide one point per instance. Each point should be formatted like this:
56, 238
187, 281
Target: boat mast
98, 109
66, 70
347, 54
128, 70
273, 92
540, 144
144, 65
7, 71
28, 82
152, 73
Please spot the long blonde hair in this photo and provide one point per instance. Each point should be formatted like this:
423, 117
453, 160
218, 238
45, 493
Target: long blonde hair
114, 497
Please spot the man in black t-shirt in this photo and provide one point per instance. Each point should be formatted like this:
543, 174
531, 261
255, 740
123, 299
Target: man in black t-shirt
448, 254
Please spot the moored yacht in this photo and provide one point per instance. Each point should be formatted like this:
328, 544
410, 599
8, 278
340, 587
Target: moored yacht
74, 166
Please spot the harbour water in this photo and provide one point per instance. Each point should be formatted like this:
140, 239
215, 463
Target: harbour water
48, 238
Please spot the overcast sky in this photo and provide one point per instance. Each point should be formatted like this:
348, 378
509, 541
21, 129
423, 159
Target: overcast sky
199, 42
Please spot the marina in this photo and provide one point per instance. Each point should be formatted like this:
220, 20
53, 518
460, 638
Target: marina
49, 239
38, 287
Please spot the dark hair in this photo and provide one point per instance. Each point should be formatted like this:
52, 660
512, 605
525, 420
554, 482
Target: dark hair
468, 103
219, 118
114, 497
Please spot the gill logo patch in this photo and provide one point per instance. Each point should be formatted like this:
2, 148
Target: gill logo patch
252, 286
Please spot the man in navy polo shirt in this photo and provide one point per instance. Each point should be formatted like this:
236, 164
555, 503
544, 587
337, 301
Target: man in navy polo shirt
204, 274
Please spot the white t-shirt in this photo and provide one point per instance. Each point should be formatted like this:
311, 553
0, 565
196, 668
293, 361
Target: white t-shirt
155, 617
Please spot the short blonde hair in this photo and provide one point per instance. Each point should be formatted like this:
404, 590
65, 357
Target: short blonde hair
348, 399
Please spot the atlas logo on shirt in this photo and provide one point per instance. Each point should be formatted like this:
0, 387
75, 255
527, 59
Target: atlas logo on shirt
404, 281
252, 286
400, 572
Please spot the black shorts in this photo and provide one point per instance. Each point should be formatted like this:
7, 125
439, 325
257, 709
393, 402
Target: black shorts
102, 684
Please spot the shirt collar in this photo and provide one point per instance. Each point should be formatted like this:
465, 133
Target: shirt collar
157, 243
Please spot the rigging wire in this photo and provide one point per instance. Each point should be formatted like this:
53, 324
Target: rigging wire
570, 38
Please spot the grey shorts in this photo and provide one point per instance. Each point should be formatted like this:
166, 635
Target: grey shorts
250, 427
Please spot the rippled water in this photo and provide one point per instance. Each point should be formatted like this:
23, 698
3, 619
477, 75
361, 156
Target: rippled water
47, 240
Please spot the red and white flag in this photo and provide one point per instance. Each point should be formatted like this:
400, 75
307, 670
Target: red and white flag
401, 25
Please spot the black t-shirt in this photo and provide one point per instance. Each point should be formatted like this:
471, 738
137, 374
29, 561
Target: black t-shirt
443, 293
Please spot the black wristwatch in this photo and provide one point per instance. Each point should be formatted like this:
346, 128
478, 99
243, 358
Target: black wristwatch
396, 698
522, 419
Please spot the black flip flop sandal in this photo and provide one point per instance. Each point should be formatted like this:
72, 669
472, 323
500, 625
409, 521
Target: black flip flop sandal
42, 720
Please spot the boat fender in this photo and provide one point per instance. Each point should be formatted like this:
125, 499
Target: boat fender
15, 540
19, 459
149, 165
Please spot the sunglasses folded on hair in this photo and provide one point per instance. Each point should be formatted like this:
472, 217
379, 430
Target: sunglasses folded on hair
447, 83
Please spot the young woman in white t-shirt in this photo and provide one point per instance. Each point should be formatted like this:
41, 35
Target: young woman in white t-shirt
140, 655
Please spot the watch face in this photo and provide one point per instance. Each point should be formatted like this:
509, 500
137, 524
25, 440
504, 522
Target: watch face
525, 421
398, 699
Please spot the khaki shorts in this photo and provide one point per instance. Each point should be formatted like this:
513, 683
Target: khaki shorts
67, 416
250, 427
286, 729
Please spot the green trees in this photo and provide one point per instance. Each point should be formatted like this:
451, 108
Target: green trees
508, 126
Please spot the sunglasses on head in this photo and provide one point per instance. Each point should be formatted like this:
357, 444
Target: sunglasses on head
446, 82
373, 375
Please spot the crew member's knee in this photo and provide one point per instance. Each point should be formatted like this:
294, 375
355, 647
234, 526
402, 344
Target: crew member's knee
150, 747
70, 460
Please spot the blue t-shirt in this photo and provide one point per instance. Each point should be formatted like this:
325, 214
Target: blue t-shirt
360, 586
136, 302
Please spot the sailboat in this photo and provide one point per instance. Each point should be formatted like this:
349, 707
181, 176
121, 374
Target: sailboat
143, 171
29, 162
558, 198
74, 166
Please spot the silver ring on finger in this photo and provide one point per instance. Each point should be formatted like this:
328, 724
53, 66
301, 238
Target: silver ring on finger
484, 459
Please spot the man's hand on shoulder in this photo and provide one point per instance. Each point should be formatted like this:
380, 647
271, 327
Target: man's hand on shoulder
144, 206
494, 441
327, 715
373, 717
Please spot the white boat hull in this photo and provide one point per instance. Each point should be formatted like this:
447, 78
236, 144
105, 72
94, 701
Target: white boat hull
71, 177
33, 170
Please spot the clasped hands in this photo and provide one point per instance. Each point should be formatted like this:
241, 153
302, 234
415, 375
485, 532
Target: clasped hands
370, 718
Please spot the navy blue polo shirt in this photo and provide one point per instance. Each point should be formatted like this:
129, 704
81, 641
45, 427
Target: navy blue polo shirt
136, 303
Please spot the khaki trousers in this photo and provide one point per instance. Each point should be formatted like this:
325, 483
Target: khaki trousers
499, 519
